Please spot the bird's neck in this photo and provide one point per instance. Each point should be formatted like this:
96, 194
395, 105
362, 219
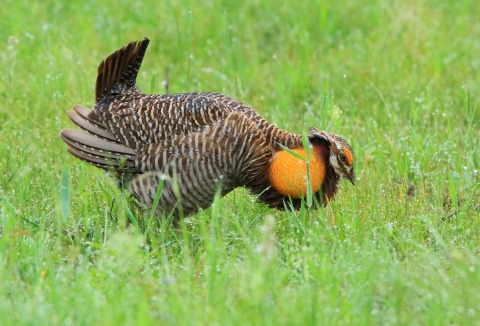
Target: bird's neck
288, 173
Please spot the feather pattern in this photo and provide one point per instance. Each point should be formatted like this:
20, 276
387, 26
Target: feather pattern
199, 143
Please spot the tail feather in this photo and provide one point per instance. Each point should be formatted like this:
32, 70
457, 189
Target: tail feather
76, 142
83, 122
88, 114
100, 152
89, 142
97, 161
120, 67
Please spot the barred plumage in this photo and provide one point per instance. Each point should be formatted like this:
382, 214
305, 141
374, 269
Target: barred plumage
198, 143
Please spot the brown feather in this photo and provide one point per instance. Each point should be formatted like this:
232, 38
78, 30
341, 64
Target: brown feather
198, 143
120, 67
88, 140
88, 126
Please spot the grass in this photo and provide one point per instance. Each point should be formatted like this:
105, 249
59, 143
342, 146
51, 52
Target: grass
398, 79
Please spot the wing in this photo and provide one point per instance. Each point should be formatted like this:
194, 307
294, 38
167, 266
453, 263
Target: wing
229, 153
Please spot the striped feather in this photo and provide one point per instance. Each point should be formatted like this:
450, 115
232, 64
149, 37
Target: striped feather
198, 143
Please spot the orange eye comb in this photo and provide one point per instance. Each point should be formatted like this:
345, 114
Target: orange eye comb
349, 156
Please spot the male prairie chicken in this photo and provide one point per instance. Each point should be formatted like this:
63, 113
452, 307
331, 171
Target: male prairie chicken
199, 143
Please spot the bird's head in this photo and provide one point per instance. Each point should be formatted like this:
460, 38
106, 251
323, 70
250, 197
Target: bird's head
341, 153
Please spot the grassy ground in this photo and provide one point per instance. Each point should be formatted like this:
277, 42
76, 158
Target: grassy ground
398, 79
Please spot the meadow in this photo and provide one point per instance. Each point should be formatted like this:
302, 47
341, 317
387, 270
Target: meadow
397, 79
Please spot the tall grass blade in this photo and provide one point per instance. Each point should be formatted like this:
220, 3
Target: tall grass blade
64, 193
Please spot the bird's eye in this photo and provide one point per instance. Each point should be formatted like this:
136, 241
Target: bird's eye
346, 157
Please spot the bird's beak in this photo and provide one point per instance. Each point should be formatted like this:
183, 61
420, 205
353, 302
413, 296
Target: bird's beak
351, 178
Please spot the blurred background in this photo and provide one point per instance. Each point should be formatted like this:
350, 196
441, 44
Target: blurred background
398, 79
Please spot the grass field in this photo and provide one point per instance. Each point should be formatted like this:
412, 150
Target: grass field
398, 79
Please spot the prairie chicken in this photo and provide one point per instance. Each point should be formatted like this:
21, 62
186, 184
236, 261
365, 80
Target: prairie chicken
199, 143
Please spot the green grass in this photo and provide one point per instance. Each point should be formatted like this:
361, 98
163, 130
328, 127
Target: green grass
398, 79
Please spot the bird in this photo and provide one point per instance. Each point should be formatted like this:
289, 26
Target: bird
192, 146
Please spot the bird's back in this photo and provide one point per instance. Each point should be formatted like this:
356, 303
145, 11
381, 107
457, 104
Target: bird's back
139, 119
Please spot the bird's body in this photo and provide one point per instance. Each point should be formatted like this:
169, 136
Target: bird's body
199, 143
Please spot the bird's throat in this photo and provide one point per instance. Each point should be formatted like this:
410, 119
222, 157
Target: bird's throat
288, 174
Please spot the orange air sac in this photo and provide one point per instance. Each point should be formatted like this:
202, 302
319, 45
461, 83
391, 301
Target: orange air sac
288, 174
